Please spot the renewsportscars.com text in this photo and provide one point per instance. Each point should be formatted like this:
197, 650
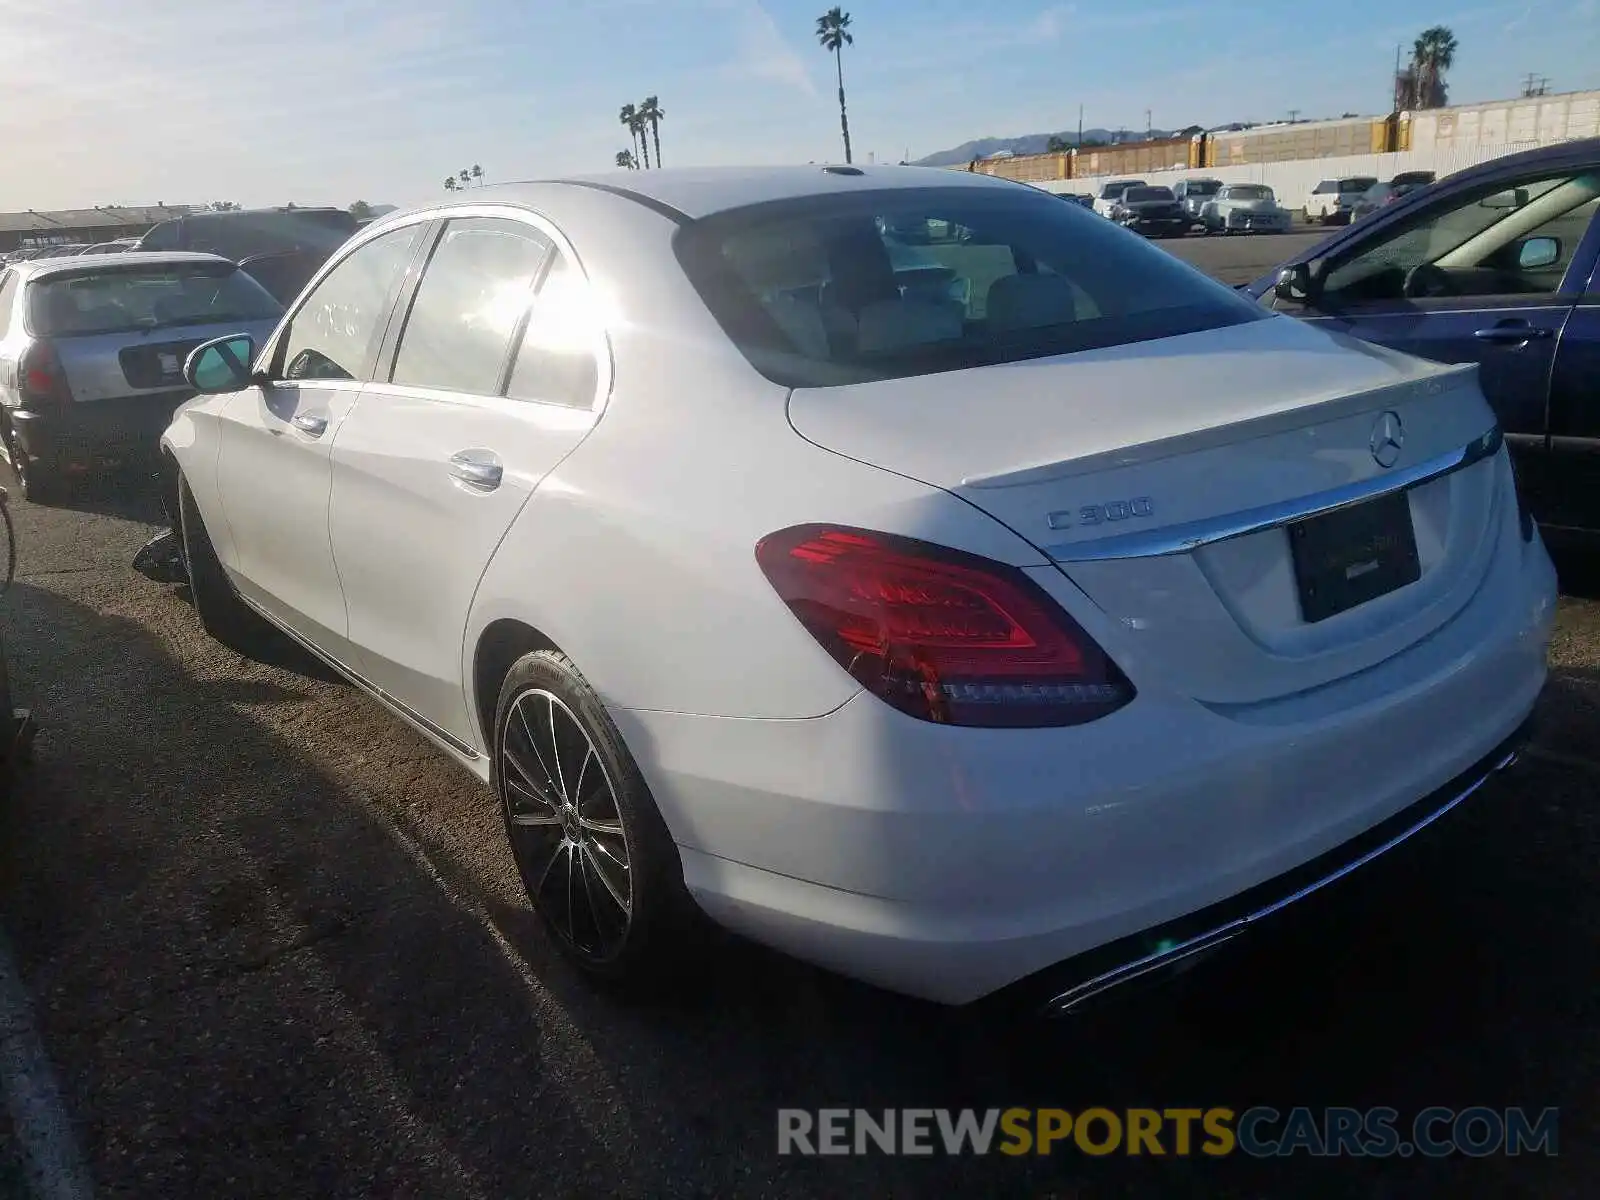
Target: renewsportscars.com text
1217, 1132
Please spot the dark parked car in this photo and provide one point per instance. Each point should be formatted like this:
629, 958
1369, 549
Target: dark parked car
289, 243
1495, 265
1152, 211
1380, 194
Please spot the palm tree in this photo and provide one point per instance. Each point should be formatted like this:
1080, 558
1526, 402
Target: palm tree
1432, 54
629, 116
449, 183
638, 128
833, 32
625, 160
650, 114
465, 176
477, 173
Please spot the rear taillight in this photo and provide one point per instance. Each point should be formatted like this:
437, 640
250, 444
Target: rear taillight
941, 635
40, 378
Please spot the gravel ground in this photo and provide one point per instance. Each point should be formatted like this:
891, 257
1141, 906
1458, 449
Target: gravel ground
275, 948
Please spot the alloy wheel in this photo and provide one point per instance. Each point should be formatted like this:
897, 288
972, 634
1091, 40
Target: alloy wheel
567, 830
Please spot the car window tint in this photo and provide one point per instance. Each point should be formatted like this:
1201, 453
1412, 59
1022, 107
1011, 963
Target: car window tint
557, 361
474, 291
335, 331
841, 289
1473, 240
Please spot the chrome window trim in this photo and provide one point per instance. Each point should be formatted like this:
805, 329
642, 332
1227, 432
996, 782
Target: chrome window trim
1192, 535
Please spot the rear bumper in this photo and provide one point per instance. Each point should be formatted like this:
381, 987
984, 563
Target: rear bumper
1167, 948
951, 863
92, 430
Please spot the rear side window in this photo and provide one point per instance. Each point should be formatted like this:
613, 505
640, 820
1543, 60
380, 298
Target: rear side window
474, 291
1323, 188
166, 236
557, 362
114, 299
819, 291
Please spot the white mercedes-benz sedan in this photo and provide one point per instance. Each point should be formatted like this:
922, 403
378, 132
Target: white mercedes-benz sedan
900, 567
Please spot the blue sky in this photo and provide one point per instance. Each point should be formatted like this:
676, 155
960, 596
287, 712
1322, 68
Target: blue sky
328, 101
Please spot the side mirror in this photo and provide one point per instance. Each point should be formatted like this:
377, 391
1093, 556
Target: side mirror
1538, 252
1296, 284
1508, 200
221, 365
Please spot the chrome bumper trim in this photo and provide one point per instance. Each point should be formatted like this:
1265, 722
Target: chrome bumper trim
1182, 539
1065, 1002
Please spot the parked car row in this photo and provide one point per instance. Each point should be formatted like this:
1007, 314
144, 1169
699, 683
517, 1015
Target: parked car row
1205, 204
835, 719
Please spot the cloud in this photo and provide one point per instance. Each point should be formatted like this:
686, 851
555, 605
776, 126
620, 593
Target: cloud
763, 52
1049, 24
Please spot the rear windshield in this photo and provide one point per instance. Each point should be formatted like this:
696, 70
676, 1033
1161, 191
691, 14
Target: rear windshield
882, 285
114, 299
1356, 185
1135, 195
1249, 191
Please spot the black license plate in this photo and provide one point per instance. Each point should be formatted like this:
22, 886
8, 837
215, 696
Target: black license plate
1348, 557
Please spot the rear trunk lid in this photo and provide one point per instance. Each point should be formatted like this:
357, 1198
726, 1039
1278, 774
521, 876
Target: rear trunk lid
104, 366
1158, 476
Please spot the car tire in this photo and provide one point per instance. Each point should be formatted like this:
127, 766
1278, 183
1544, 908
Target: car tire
595, 857
225, 617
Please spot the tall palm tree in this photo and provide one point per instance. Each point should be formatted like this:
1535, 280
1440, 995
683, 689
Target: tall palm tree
650, 114
477, 173
1432, 54
629, 116
465, 176
638, 128
833, 32
449, 183
625, 159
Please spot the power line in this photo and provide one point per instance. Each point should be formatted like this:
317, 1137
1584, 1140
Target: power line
1535, 85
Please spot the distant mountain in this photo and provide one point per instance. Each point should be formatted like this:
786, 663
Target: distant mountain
1032, 143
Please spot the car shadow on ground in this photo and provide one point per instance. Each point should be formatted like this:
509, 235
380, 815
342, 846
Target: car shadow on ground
256, 980
131, 493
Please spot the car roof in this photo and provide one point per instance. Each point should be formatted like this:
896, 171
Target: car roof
35, 268
690, 193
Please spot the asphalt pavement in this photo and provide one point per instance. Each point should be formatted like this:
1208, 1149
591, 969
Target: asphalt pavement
272, 945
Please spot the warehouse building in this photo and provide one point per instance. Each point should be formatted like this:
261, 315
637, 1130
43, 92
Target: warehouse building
102, 223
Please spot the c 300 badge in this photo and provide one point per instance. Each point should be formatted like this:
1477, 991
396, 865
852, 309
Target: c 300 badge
1101, 514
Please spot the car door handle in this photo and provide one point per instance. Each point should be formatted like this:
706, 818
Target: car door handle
309, 425
476, 472
1518, 333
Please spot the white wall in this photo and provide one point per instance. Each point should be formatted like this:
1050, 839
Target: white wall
1292, 181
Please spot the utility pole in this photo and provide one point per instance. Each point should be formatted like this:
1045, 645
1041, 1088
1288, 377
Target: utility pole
1394, 82
1080, 127
1147, 125
1535, 85
1293, 113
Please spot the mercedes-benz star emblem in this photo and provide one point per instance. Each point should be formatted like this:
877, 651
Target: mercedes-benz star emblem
1388, 435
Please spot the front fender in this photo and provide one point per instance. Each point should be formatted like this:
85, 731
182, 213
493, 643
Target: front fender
193, 444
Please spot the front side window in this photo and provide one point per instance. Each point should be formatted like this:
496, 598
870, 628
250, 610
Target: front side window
336, 330
115, 299
474, 291
1496, 240
830, 289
